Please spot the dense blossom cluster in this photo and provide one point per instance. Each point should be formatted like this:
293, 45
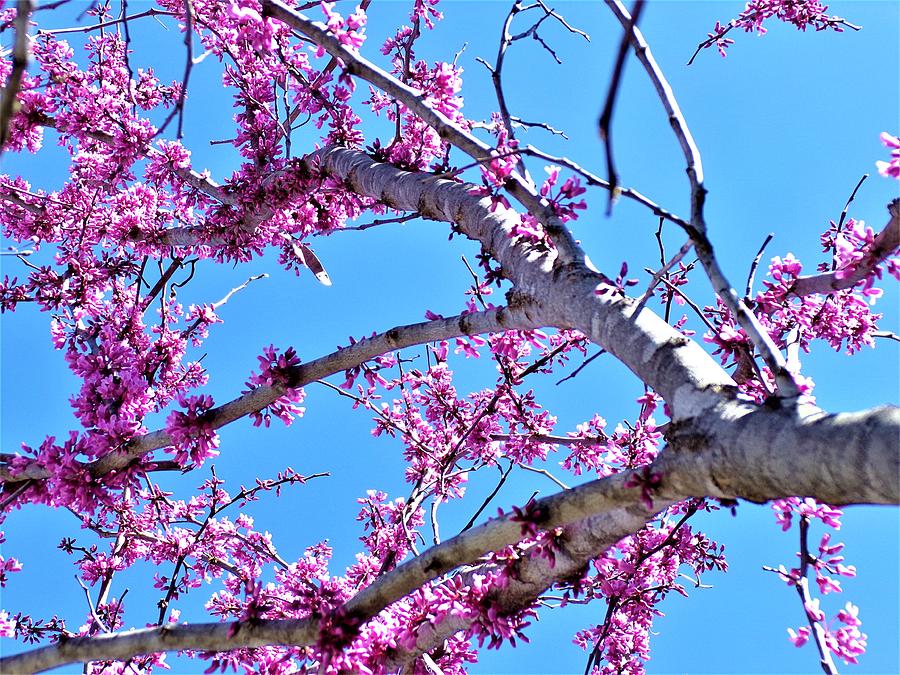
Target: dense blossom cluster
117, 242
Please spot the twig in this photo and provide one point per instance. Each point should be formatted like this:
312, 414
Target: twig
519, 122
488, 499
185, 78
544, 472
105, 24
381, 221
690, 303
584, 363
886, 334
755, 264
596, 181
663, 271
87, 594
604, 124
850, 200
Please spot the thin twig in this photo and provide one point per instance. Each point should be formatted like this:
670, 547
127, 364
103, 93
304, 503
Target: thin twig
185, 78
662, 272
381, 221
755, 264
488, 499
544, 472
593, 179
584, 363
850, 200
104, 24
886, 334
604, 124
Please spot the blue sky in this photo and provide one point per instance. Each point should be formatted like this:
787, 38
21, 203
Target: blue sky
787, 124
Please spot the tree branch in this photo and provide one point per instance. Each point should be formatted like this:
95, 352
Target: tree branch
739, 451
886, 243
491, 321
787, 387
19, 64
521, 189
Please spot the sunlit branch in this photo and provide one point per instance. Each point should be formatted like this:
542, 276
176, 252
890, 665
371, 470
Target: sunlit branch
740, 451
355, 64
787, 386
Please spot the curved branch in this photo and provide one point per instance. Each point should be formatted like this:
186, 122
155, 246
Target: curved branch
521, 189
563, 292
490, 321
787, 387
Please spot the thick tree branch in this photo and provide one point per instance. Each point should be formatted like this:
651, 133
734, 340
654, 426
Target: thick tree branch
563, 292
735, 451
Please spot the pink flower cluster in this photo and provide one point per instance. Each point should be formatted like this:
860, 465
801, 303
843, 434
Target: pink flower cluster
278, 371
633, 578
802, 14
194, 437
847, 641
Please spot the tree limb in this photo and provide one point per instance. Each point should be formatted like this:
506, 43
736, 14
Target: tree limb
736, 451
490, 321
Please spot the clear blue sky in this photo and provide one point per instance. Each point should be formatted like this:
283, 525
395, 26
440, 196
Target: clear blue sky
787, 124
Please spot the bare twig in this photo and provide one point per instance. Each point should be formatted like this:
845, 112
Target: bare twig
104, 24
850, 199
186, 76
381, 221
887, 335
593, 179
544, 472
663, 272
583, 365
604, 124
755, 264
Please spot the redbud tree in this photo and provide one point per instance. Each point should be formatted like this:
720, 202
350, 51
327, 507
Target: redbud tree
330, 134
